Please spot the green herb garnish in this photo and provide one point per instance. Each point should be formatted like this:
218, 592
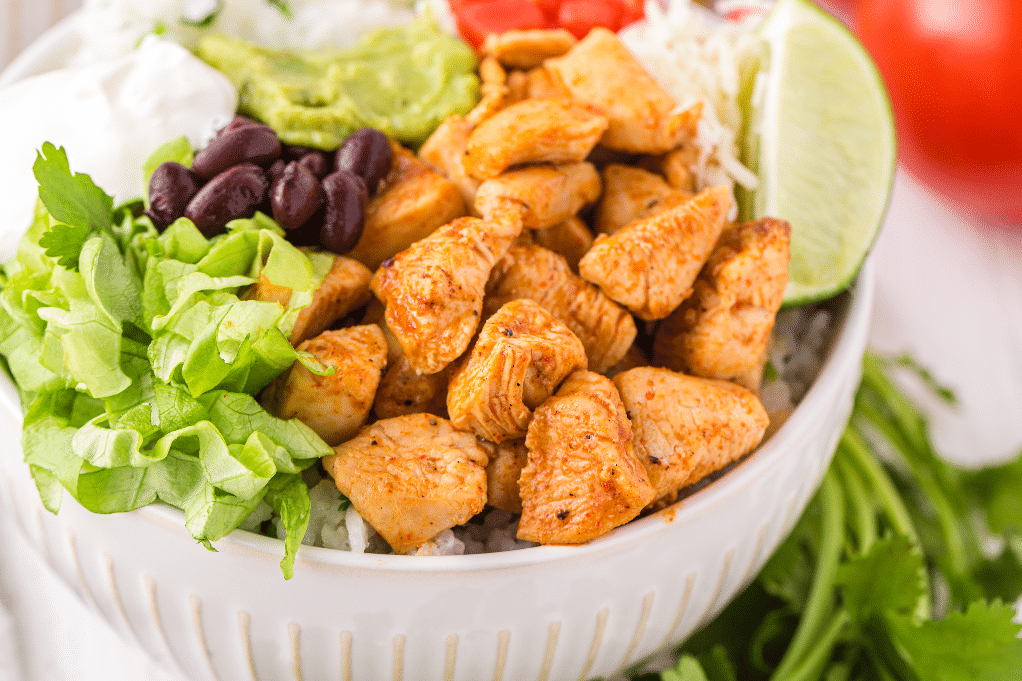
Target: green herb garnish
902, 568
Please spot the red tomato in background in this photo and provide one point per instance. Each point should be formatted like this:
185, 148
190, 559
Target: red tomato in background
953, 69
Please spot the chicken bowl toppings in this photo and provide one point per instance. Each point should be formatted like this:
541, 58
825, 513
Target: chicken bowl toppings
529, 310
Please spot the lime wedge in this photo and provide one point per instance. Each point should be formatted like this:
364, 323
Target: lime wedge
821, 138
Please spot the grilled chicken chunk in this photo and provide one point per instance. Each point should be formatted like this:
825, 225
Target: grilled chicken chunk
543, 83
403, 391
522, 355
345, 288
494, 90
412, 202
411, 477
434, 289
444, 152
570, 239
630, 194
533, 131
686, 427
605, 329
650, 265
633, 359
548, 194
334, 406
676, 167
524, 49
722, 330
507, 459
601, 71
583, 478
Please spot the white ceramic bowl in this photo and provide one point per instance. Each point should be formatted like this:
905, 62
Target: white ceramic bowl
539, 613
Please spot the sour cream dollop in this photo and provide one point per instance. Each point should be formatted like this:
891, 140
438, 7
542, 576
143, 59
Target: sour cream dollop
109, 117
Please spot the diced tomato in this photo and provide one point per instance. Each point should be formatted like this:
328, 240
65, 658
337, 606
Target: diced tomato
549, 8
581, 16
633, 11
476, 20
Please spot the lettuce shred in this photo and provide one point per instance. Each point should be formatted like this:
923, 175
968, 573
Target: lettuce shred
137, 370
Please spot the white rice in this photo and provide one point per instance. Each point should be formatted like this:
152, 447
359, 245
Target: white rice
697, 57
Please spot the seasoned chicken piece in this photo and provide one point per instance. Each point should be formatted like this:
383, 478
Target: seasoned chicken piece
444, 152
605, 329
345, 288
548, 194
411, 477
522, 355
570, 239
334, 406
676, 167
546, 84
633, 359
723, 329
524, 49
411, 203
507, 459
403, 391
533, 131
518, 86
649, 266
630, 194
583, 478
434, 289
493, 88
601, 71
686, 427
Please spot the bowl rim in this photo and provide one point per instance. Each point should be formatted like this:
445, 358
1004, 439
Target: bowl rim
846, 347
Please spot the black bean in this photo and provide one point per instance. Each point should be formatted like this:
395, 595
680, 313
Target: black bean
346, 199
234, 193
171, 187
295, 196
366, 153
308, 234
256, 144
317, 162
236, 122
276, 169
294, 152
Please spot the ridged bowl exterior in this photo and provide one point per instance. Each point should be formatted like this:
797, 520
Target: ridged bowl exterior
544, 613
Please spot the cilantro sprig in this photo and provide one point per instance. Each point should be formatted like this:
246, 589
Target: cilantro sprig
890, 573
73, 199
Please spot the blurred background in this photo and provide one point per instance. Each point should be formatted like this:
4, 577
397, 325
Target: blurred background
22, 21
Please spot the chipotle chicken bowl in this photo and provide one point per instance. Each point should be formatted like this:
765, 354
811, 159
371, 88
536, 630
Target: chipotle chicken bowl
391, 355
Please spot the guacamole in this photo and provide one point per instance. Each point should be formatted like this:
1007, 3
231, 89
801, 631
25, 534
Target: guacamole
403, 81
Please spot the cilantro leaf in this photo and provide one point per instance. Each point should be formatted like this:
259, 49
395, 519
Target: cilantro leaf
890, 577
979, 644
73, 199
64, 243
284, 7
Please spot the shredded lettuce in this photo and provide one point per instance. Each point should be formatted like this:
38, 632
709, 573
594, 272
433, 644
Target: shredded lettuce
137, 356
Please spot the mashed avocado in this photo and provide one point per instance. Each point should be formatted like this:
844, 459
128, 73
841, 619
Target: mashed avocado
402, 81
